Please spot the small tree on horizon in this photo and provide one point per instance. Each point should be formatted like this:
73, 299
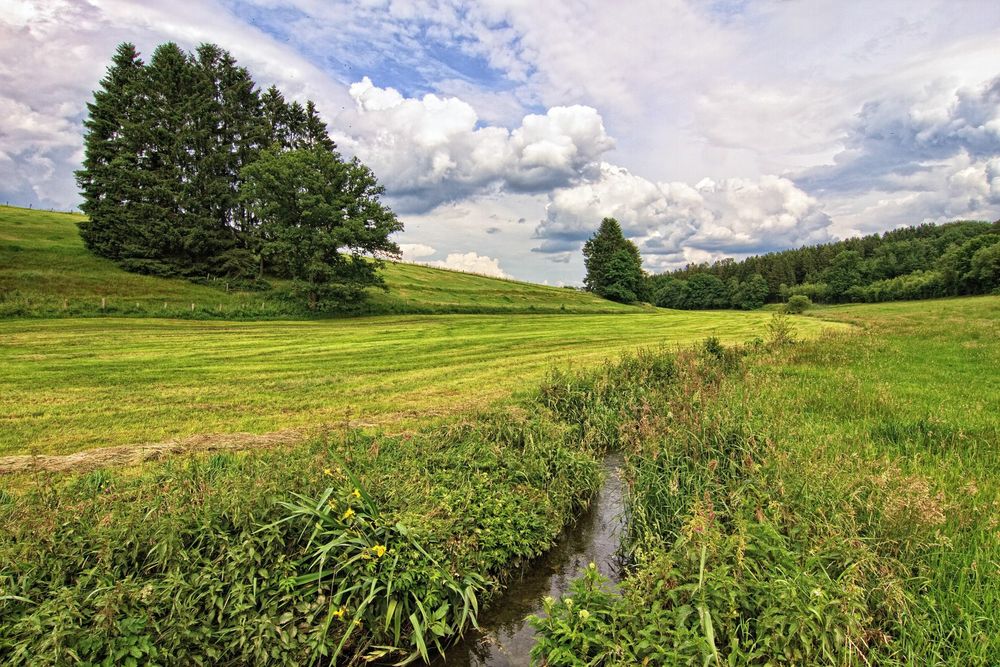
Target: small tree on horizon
614, 266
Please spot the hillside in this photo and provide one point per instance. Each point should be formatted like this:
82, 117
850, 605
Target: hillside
45, 271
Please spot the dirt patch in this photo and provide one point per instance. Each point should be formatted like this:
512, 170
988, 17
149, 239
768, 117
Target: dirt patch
125, 455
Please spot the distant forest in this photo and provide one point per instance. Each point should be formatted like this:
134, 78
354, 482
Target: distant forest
922, 262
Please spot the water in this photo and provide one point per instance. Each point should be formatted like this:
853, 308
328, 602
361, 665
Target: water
505, 638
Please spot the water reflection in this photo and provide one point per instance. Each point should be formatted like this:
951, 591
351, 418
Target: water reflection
505, 638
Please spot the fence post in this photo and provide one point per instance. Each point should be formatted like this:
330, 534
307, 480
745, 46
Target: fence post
103, 303
192, 306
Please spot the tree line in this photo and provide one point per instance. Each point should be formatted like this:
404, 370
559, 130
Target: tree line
614, 271
190, 170
920, 262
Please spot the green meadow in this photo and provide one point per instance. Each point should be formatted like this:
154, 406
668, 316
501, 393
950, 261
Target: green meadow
77, 383
830, 500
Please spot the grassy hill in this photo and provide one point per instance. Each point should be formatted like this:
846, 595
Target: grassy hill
45, 271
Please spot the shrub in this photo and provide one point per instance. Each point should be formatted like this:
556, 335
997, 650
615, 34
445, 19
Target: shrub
797, 303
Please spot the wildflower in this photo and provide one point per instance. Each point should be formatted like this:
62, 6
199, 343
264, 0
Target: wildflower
348, 514
583, 614
356, 493
378, 550
327, 472
339, 614
568, 602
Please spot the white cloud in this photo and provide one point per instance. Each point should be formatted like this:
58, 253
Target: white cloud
433, 149
471, 262
674, 222
416, 251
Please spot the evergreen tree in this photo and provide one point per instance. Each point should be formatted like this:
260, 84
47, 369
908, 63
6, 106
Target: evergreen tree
167, 148
613, 263
108, 178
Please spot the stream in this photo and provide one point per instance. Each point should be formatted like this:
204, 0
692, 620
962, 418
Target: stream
504, 637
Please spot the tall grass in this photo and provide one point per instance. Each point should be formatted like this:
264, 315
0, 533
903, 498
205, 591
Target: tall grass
823, 502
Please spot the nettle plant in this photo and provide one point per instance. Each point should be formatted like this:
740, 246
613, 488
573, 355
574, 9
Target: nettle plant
382, 587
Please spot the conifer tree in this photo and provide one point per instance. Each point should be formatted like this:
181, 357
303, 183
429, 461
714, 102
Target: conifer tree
107, 179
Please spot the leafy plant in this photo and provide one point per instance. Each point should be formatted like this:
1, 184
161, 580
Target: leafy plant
375, 575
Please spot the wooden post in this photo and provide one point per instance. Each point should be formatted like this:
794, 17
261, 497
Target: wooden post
192, 306
65, 304
103, 303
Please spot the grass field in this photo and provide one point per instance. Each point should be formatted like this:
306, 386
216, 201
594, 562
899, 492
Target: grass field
836, 503
45, 271
71, 384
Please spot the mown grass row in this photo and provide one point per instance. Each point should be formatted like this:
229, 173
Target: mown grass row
73, 384
832, 503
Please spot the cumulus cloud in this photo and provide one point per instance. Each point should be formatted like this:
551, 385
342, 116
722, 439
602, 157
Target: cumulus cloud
896, 137
932, 156
675, 221
433, 149
415, 251
471, 262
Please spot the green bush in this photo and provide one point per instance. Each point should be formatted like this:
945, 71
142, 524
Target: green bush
797, 303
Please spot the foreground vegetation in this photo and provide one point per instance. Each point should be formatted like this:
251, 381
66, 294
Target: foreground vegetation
45, 271
830, 501
833, 502
352, 546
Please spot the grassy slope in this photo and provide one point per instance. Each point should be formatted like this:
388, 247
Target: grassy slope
915, 400
45, 271
73, 384
837, 503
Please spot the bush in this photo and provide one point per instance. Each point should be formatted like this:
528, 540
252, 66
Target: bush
797, 303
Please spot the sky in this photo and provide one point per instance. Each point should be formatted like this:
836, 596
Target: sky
505, 130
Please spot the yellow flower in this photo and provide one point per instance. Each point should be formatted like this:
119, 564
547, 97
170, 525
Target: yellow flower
378, 550
339, 614
327, 472
356, 493
348, 514
584, 614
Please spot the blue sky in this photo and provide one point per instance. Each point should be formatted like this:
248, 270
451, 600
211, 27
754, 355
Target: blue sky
504, 130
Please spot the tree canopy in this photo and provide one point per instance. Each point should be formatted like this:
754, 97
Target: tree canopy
170, 150
919, 262
614, 267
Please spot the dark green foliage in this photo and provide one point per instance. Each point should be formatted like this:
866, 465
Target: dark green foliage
843, 274
166, 149
879, 267
614, 267
320, 221
671, 293
705, 291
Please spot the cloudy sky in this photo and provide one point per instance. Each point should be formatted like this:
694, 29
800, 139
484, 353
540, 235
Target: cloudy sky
504, 130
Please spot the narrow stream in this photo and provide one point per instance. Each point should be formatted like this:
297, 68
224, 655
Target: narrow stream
505, 638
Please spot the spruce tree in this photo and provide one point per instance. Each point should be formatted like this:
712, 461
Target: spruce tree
108, 178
